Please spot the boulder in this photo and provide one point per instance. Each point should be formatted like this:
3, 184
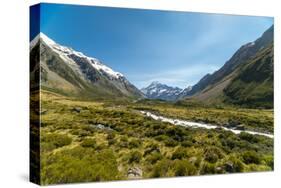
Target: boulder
77, 109
229, 167
134, 173
240, 127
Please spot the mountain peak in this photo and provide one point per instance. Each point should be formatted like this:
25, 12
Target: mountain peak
43, 37
77, 72
46, 39
68, 52
157, 90
155, 83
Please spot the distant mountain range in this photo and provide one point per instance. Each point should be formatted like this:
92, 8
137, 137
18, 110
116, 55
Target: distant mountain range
156, 90
69, 72
245, 79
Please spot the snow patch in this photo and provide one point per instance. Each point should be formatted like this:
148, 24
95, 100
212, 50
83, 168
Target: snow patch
64, 52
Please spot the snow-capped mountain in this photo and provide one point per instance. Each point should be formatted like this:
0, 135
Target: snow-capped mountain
184, 92
68, 71
156, 90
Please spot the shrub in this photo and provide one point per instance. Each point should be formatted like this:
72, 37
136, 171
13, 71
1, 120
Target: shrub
248, 137
208, 168
161, 138
54, 140
81, 133
134, 143
89, 143
234, 164
187, 143
79, 165
170, 142
154, 157
212, 154
135, 156
180, 153
110, 136
151, 148
251, 157
111, 141
161, 168
184, 168
269, 160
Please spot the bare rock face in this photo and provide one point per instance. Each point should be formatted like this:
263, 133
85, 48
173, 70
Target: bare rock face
134, 173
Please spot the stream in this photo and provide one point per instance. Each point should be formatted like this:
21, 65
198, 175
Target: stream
185, 123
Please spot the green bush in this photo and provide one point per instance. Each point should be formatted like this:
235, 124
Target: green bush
161, 138
269, 160
151, 148
134, 143
135, 156
111, 141
234, 164
187, 143
79, 165
89, 143
110, 136
213, 154
208, 168
161, 168
248, 137
81, 133
124, 143
180, 153
54, 140
154, 157
170, 142
251, 157
184, 168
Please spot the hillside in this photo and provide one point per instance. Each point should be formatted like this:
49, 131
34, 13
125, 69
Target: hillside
253, 86
71, 73
225, 85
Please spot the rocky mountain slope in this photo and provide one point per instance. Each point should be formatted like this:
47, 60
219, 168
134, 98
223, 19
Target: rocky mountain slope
69, 72
253, 84
215, 87
156, 90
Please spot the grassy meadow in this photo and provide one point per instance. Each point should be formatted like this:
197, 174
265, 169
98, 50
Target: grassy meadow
85, 141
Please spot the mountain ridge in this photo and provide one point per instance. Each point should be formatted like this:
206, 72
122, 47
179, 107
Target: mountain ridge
67, 71
157, 90
244, 53
211, 88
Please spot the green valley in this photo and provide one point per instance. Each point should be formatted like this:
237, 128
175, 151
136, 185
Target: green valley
98, 140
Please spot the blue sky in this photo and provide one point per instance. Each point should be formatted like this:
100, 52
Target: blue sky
175, 48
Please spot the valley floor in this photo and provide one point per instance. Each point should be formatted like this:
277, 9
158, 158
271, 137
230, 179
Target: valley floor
85, 141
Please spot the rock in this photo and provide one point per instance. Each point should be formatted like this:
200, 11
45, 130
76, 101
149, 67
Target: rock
219, 169
76, 109
101, 126
134, 173
229, 167
240, 127
232, 123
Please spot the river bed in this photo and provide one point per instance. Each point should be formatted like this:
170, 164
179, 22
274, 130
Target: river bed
185, 123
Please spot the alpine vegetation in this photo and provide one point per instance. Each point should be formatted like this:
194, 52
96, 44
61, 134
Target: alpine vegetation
155, 96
